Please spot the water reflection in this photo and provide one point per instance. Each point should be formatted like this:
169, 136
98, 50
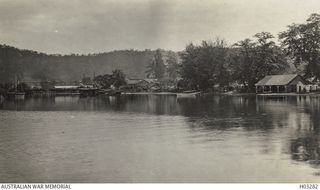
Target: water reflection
132, 103
306, 149
273, 137
299, 117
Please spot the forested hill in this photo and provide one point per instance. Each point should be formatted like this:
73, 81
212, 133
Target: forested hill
32, 65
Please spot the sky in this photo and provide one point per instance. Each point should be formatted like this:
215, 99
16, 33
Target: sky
93, 26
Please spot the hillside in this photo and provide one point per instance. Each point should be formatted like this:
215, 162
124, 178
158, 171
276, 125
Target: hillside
31, 65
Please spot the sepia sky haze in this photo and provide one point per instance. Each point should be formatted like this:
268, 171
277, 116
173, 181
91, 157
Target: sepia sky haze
92, 26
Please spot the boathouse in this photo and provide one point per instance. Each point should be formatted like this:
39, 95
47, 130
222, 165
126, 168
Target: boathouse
283, 84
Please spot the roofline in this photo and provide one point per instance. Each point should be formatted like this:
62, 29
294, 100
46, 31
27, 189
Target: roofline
296, 77
276, 75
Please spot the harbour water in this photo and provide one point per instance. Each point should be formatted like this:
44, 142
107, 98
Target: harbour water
150, 138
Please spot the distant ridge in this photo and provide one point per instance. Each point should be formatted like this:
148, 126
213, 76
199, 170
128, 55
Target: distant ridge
33, 65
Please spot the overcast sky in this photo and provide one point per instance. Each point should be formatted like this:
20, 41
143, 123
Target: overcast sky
91, 26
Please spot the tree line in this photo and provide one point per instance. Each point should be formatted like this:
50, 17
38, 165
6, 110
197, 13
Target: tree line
247, 61
202, 67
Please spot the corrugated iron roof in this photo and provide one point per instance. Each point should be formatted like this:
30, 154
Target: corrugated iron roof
276, 80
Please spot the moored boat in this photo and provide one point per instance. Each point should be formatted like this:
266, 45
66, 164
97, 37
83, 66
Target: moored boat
189, 94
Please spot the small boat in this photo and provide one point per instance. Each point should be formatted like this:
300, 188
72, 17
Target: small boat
189, 94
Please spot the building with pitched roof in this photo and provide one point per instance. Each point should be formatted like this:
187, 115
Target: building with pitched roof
283, 84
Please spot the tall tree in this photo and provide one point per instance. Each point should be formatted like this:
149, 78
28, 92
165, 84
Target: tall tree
302, 41
118, 78
156, 67
172, 66
253, 60
203, 66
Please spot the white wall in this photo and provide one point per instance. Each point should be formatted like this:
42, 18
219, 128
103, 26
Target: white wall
306, 87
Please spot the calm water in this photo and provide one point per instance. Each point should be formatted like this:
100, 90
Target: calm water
160, 139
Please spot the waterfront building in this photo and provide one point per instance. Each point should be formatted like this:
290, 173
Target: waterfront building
284, 84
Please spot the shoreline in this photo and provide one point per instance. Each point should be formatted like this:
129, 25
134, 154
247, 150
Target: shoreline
149, 93
312, 94
289, 94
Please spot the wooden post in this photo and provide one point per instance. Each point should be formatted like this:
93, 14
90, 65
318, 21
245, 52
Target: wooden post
278, 89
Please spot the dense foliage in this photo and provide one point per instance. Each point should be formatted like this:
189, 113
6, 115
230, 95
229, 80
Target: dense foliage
115, 80
252, 60
203, 66
302, 42
210, 65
